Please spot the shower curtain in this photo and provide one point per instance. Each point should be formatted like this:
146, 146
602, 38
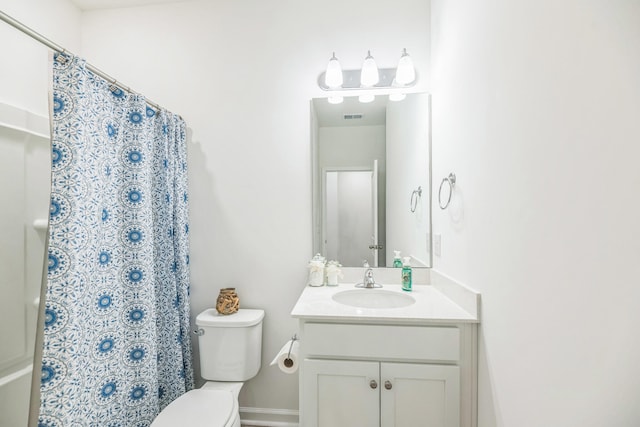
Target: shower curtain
116, 345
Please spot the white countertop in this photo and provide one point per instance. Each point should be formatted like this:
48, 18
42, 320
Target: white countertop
431, 306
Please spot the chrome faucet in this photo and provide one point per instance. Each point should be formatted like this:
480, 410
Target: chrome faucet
368, 282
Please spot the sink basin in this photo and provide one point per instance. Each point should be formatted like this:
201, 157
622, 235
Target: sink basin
373, 298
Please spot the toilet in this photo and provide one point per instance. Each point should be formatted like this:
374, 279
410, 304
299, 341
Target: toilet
230, 353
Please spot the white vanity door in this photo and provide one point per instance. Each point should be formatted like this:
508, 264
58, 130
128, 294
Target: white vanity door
341, 393
419, 395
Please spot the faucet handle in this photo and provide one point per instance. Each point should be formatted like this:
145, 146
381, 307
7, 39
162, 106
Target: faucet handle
365, 263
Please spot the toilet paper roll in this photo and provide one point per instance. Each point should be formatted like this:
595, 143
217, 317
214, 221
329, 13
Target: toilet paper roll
287, 360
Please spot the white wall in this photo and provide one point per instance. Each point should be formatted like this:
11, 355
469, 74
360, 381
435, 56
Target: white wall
535, 108
407, 169
332, 227
24, 74
352, 146
242, 74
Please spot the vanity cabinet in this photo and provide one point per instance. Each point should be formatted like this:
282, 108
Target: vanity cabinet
337, 393
419, 395
370, 375
361, 393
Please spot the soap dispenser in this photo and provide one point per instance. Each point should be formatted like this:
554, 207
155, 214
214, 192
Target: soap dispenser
406, 275
397, 262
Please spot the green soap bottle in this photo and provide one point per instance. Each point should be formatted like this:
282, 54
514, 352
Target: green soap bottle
397, 262
406, 275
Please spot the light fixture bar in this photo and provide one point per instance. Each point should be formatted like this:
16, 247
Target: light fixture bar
351, 80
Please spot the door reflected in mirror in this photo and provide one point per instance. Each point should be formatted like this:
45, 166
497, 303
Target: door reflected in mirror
368, 161
350, 215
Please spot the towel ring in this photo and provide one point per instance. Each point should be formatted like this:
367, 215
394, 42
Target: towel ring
415, 195
451, 179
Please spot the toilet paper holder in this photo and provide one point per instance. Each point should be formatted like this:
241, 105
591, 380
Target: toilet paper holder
288, 362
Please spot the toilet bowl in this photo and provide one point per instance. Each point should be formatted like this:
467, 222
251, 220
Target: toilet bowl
212, 405
230, 353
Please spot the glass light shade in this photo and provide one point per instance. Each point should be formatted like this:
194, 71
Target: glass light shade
369, 75
366, 98
406, 72
335, 99
333, 75
397, 96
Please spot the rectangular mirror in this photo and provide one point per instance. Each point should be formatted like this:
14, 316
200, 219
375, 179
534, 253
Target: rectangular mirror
371, 177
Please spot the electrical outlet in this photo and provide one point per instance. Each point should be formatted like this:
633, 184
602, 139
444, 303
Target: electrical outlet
437, 244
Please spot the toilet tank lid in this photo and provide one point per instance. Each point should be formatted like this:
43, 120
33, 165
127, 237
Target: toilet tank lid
242, 318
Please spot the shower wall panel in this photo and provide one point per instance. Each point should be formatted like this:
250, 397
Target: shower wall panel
24, 205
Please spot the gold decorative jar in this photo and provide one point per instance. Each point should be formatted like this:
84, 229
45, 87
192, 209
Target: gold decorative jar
228, 301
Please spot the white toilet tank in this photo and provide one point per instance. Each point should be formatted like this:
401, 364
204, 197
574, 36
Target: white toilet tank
230, 345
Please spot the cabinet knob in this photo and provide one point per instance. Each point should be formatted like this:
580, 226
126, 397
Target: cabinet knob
387, 385
373, 384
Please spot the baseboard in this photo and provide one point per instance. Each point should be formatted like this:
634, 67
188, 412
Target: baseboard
268, 417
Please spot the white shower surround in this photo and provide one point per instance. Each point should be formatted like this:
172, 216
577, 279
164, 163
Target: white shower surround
24, 83
24, 159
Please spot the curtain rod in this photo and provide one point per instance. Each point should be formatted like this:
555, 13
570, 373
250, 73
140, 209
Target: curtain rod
54, 46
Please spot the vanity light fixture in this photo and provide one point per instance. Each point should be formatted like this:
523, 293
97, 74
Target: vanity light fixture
333, 75
365, 99
406, 72
392, 80
397, 96
369, 76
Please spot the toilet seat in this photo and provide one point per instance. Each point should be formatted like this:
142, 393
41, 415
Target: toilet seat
200, 408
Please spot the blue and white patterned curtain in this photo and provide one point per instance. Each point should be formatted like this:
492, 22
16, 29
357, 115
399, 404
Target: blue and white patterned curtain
116, 334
